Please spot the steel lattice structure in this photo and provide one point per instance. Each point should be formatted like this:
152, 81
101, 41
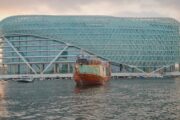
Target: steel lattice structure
37, 44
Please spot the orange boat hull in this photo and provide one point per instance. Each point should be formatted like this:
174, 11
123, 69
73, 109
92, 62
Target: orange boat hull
89, 79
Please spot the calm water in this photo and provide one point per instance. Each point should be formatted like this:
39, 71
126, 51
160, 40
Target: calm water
118, 100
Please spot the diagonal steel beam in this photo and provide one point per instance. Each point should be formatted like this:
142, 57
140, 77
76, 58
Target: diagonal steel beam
161, 68
52, 61
136, 68
12, 46
85, 50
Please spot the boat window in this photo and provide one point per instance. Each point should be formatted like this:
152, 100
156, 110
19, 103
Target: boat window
82, 61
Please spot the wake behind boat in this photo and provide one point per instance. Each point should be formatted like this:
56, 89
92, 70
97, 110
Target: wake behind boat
91, 71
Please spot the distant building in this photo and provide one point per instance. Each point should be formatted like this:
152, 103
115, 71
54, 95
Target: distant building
50, 44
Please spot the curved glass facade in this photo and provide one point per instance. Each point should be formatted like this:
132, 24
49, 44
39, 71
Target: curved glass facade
38, 44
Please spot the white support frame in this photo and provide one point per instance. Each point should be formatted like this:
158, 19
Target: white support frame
53, 60
167, 66
131, 66
25, 61
89, 52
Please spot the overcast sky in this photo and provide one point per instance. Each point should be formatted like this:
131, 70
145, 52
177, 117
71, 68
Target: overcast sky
121, 8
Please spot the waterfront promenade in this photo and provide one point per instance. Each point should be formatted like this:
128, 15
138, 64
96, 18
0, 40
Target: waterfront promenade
70, 75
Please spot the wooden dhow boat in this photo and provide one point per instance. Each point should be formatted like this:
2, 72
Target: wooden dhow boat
91, 71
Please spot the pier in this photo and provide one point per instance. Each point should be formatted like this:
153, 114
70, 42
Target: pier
70, 75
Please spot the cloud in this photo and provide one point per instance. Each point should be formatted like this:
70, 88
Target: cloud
126, 8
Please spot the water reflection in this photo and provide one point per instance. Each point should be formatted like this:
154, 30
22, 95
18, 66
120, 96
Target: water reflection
89, 89
177, 83
3, 109
120, 99
90, 102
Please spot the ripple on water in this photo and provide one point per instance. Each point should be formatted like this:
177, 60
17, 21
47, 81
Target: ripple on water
119, 99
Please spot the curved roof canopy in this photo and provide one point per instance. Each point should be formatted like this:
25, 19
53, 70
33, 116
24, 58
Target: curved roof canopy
141, 42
